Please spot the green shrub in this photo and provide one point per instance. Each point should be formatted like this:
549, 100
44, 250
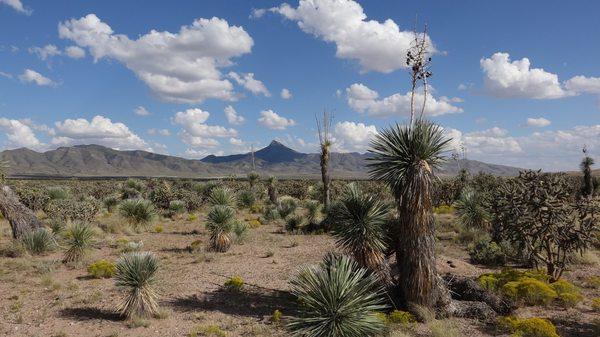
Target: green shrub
593, 282
287, 206
530, 291
235, 283
313, 210
177, 207
78, 240
102, 269
83, 210
161, 195
337, 298
207, 331
596, 304
33, 197
246, 199
293, 223
137, 212
528, 327
191, 199
158, 229
401, 317
568, 294
444, 209
276, 317
38, 241
271, 213
486, 252
132, 189
57, 193
136, 275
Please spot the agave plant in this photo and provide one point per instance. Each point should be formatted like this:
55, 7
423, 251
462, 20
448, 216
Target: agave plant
405, 157
359, 226
138, 212
337, 298
222, 196
136, 275
38, 241
78, 240
220, 221
471, 210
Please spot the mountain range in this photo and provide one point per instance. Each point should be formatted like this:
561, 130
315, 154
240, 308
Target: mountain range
275, 159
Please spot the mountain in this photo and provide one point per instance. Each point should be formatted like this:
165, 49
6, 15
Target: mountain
276, 159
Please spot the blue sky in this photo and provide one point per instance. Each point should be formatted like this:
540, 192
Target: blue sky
514, 82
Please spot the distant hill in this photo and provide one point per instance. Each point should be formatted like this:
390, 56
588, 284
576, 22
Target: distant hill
276, 159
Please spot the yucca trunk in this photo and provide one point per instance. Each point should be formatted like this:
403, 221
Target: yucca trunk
418, 280
588, 182
273, 195
220, 242
325, 175
21, 218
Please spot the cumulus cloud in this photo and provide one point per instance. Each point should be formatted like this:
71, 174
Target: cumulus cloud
161, 132
352, 137
32, 76
196, 133
362, 99
182, 67
232, 116
75, 52
19, 134
273, 121
582, 84
236, 142
286, 94
45, 52
377, 46
99, 130
537, 122
141, 111
17, 5
250, 83
504, 78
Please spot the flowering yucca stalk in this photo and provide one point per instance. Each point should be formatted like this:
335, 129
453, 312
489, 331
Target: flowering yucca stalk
337, 298
79, 238
135, 274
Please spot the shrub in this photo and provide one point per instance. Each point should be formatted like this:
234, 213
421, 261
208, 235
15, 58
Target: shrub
137, 212
528, 327
191, 199
158, 229
219, 223
110, 203
256, 208
271, 213
84, 210
57, 193
132, 246
78, 240
132, 189
594, 281
161, 195
32, 197
276, 317
337, 298
568, 294
401, 317
287, 206
236, 283
313, 209
246, 199
38, 241
177, 207
596, 304
444, 209
208, 331
102, 269
135, 274
293, 223
254, 223
529, 290
486, 252
221, 196
240, 229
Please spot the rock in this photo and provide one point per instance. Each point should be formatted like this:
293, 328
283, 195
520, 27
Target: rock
467, 289
472, 309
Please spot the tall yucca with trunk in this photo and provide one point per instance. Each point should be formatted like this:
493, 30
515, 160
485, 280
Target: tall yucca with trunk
136, 275
404, 157
219, 223
359, 221
324, 128
272, 189
588, 181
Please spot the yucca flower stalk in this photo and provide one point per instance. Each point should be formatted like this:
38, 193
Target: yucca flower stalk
136, 276
78, 240
219, 222
337, 298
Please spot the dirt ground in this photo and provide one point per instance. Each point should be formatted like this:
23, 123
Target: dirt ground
40, 296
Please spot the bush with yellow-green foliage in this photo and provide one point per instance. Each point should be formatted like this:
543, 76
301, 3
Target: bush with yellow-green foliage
444, 209
208, 331
276, 317
596, 304
236, 283
528, 327
401, 317
531, 287
593, 282
102, 269
254, 223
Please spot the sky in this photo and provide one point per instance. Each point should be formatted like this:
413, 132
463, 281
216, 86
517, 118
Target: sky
514, 82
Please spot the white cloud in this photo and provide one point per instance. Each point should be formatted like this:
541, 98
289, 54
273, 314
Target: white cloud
161, 132
19, 134
274, 121
199, 154
236, 142
32, 76
538, 122
196, 133
257, 13
100, 130
141, 111
46, 51
352, 137
286, 94
516, 79
7, 75
232, 116
582, 84
364, 100
17, 5
250, 83
75, 52
181, 67
377, 46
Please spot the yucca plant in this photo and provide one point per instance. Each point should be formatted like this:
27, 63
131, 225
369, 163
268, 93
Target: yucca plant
38, 241
287, 206
337, 298
272, 190
294, 222
136, 276
219, 223
78, 240
222, 196
253, 178
405, 157
246, 198
313, 210
359, 226
110, 203
240, 229
138, 212
177, 207
471, 210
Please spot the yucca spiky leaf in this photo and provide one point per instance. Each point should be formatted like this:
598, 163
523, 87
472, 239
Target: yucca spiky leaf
471, 210
78, 240
222, 196
359, 226
337, 298
138, 212
219, 223
136, 275
38, 241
